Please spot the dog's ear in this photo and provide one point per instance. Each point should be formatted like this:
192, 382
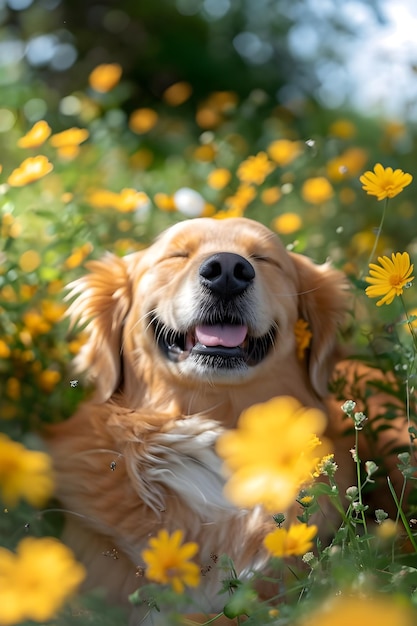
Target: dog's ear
323, 304
101, 302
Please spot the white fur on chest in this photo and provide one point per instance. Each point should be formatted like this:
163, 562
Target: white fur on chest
183, 462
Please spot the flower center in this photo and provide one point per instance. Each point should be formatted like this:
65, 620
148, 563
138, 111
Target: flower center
395, 280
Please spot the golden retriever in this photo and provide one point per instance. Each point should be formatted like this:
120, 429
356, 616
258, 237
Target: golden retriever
182, 337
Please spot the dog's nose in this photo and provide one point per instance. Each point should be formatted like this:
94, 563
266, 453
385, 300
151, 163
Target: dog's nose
226, 273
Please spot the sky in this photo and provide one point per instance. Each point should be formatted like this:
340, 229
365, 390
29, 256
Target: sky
372, 64
383, 63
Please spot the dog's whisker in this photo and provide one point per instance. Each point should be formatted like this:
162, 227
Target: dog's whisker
114, 453
151, 314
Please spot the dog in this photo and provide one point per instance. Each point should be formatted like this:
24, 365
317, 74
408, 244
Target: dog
182, 337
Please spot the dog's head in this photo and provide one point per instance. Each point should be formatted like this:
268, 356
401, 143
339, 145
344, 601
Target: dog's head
211, 302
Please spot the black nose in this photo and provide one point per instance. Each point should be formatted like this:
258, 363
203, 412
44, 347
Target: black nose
226, 274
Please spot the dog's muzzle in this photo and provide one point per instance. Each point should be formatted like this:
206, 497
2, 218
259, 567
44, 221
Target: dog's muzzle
221, 336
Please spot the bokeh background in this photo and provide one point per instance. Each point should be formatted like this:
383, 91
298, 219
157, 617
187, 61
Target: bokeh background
317, 91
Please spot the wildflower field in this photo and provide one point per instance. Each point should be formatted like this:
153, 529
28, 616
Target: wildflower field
83, 172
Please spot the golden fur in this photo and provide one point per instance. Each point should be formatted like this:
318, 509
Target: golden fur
140, 456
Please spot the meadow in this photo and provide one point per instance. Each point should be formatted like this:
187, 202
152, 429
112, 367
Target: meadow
81, 175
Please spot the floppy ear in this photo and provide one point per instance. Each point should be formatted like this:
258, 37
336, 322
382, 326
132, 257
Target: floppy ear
323, 303
102, 301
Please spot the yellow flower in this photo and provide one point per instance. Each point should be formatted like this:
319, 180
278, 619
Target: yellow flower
67, 142
255, 169
24, 473
211, 112
28, 291
9, 226
262, 470
384, 182
326, 466
205, 153
48, 379
76, 344
35, 323
387, 530
29, 171
13, 387
167, 561
306, 501
303, 336
37, 135
295, 541
343, 128
316, 190
219, 178
4, 350
70, 137
78, 255
8, 294
284, 151
177, 93
129, 200
29, 261
143, 120
53, 311
347, 165
164, 202
272, 195
363, 242
36, 581
287, 223
240, 200
395, 130
105, 77
102, 198
390, 277
356, 609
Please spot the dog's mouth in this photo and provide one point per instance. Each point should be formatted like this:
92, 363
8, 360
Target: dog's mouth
222, 345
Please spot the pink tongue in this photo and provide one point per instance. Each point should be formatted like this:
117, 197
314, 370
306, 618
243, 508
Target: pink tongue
221, 335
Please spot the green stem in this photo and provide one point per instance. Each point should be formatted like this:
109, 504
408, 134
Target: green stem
345, 515
403, 517
409, 324
379, 231
358, 474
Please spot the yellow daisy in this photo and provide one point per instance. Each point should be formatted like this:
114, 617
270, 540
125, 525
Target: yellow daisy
129, 200
167, 561
70, 137
263, 472
105, 77
68, 141
143, 120
345, 610
284, 151
255, 169
29, 171
37, 580
24, 474
385, 182
389, 278
316, 190
219, 178
240, 200
37, 135
295, 541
